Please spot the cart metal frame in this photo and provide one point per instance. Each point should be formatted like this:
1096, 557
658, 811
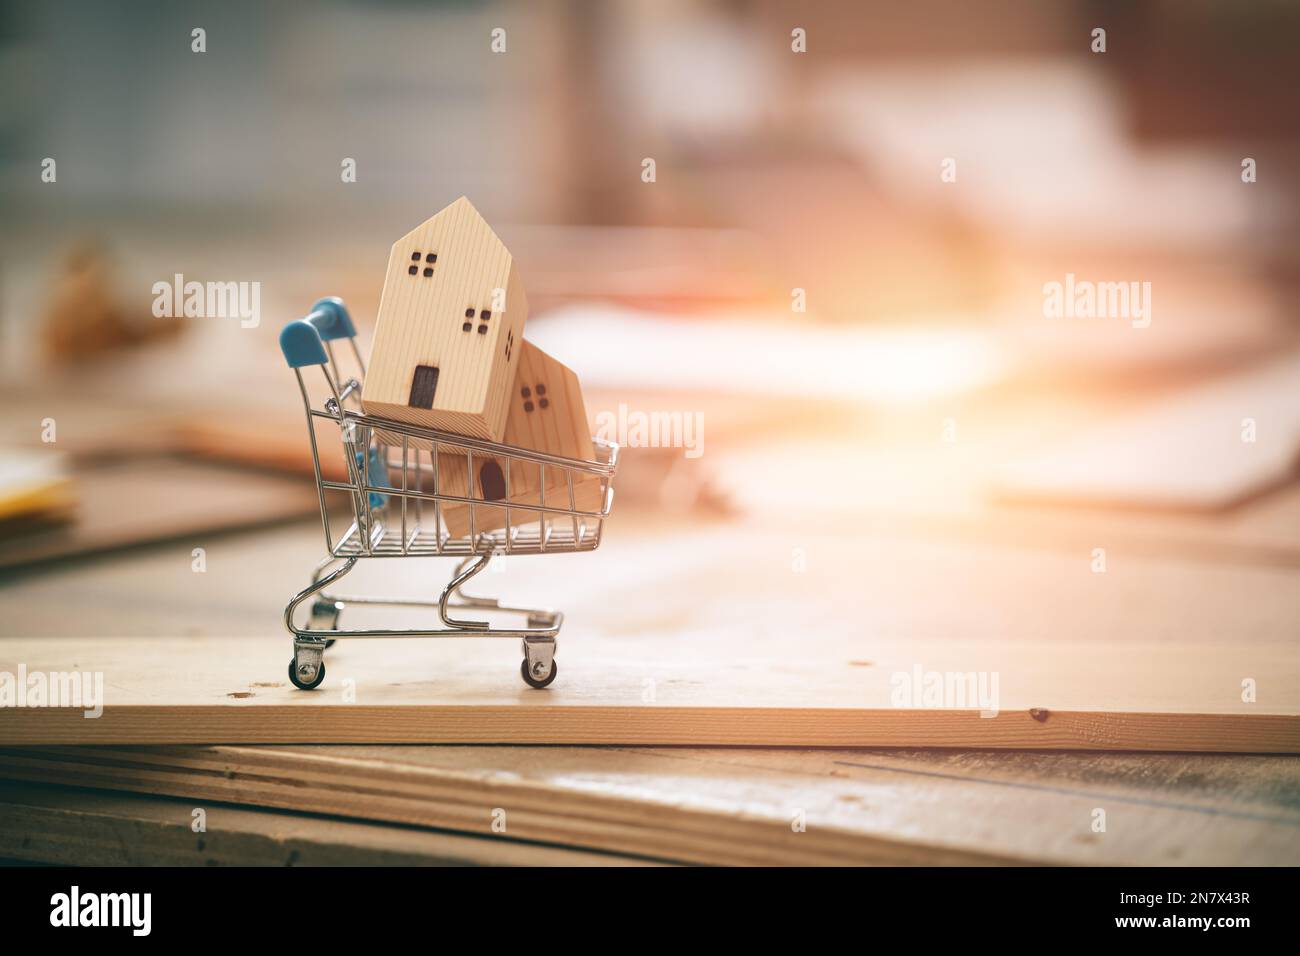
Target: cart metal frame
394, 504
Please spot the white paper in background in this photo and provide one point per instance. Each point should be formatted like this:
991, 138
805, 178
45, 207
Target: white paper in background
1189, 452
628, 349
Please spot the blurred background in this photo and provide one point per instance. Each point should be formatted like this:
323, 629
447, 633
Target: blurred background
839, 265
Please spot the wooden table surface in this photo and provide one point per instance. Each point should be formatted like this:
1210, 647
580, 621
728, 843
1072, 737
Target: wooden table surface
696, 805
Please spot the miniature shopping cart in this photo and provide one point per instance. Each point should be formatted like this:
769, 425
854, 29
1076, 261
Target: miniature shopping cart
385, 484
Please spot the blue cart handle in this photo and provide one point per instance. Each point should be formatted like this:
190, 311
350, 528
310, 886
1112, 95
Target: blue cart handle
303, 340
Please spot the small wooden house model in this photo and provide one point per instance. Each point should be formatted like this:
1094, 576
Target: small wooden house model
450, 328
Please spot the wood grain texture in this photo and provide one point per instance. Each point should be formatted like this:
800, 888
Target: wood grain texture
732, 646
547, 412
422, 321
741, 806
1123, 696
64, 826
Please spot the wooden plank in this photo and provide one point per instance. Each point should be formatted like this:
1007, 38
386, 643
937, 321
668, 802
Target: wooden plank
157, 498
1086, 696
68, 826
750, 806
737, 647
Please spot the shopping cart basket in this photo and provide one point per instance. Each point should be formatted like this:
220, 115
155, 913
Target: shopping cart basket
386, 488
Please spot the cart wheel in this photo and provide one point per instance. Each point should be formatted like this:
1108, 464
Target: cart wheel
298, 681
532, 681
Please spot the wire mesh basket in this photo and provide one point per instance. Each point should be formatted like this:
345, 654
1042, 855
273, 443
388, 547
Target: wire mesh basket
405, 491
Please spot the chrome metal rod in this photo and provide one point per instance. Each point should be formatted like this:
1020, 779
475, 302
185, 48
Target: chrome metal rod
464, 571
308, 592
